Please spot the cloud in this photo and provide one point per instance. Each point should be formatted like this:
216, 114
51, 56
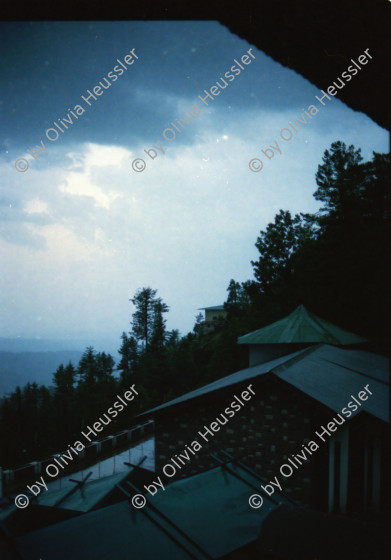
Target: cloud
36, 206
83, 182
84, 231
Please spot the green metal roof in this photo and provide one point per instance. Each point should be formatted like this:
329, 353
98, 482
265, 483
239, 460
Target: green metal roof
118, 532
301, 326
205, 516
213, 509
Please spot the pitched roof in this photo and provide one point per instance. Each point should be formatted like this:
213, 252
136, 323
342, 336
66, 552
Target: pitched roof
301, 326
331, 375
116, 531
213, 308
174, 523
326, 373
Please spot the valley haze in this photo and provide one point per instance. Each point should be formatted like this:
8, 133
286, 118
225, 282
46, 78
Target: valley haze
24, 360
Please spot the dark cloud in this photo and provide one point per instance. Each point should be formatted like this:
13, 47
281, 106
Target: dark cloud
47, 66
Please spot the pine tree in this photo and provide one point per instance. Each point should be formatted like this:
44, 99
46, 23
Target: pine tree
277, 245
143, 316
129, 358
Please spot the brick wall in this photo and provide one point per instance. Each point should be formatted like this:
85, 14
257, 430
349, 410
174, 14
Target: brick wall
263, 434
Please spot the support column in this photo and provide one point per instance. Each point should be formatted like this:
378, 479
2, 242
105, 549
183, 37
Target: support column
339, 471
376, 472
331, 474
344, 471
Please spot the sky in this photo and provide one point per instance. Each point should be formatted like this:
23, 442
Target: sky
81, 231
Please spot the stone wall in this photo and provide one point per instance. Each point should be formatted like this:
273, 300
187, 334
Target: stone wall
263, 434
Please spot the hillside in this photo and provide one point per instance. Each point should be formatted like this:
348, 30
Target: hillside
23, 367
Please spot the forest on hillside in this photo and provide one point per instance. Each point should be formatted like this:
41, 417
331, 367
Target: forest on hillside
336, 262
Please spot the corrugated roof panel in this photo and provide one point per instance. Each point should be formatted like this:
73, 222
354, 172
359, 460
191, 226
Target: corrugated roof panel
331, 375
221, 519
366, 363
211, 508
117, 532
301, 327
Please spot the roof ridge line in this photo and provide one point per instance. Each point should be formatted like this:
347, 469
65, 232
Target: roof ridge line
358, 372
260, 328
305, 352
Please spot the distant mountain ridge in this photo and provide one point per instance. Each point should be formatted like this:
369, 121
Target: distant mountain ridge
23, 367
29, 360
54, 345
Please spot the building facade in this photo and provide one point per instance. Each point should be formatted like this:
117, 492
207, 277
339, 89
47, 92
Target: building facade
295, 398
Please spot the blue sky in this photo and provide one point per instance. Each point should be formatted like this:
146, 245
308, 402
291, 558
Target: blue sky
80, 231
